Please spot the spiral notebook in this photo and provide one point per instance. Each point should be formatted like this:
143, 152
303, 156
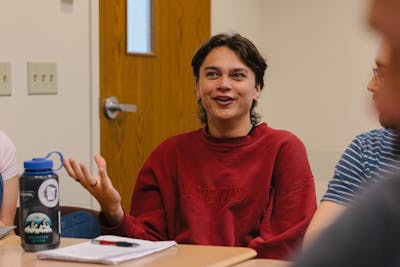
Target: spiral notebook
106, 253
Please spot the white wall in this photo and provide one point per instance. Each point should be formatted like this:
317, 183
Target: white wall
244, 17
57, 31
320, 55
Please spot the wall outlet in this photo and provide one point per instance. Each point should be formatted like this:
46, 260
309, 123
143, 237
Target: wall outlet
42, 78
5, 78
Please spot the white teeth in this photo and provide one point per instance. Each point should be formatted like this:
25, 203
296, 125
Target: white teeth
223, 98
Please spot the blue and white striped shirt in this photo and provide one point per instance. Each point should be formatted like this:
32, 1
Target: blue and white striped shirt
370, 157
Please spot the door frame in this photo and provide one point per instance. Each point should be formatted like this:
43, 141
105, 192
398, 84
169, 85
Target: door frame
94, 59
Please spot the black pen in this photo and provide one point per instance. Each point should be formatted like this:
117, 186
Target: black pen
114, 243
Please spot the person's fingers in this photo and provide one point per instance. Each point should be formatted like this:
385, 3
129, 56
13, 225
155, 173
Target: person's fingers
90, 180
77, 170
87, 179
68, 168
102, 166
110, 199
104, 179
90, 183
100, 161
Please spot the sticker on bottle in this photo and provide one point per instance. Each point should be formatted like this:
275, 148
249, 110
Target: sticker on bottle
38, 228
48, 193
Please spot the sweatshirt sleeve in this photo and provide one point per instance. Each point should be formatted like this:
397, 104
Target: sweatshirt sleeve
291, 206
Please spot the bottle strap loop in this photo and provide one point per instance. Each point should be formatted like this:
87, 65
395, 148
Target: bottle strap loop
61, 159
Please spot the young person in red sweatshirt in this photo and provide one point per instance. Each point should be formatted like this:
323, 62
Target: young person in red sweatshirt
235, 182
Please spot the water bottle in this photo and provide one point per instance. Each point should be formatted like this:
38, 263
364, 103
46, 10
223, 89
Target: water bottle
39, 218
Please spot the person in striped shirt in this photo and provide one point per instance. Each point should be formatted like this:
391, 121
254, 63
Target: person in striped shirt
367, 233
370, 157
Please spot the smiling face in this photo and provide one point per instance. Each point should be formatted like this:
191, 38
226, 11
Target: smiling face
226, 88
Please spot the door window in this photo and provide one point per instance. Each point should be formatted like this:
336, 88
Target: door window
139, 26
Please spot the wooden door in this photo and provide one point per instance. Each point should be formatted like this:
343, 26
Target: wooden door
161, 85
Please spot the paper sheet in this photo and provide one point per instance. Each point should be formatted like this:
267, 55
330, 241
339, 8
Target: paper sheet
106, 254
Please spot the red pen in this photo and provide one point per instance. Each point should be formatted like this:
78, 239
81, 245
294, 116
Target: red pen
114, 243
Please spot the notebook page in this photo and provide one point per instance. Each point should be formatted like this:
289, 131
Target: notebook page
106, 254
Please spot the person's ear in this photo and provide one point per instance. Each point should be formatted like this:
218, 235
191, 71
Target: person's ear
197, 90
257, 92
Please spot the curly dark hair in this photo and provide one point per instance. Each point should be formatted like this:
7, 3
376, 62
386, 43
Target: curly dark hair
245, 50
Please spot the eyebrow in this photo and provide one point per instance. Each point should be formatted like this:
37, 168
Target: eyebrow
211, 68
216, 68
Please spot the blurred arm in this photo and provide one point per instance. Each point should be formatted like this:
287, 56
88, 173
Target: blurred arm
325, 215
9, 205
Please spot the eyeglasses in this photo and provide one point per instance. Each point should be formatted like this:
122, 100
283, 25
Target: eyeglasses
378, 74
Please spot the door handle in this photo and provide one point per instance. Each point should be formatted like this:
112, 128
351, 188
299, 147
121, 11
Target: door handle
112, 107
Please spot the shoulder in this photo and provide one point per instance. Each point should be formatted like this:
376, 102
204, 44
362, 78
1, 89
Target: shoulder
373, 135
8, 157
7, 147
166, 153
279, 136
5, 141
362, 145
181, 138
177, 142
283, 145
376, 138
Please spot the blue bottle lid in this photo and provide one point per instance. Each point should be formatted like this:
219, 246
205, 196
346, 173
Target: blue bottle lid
38, 164
42, 165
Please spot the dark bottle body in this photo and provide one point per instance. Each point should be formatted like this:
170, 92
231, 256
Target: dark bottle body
39, 210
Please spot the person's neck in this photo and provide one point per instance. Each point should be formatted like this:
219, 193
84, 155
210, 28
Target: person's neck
228, 130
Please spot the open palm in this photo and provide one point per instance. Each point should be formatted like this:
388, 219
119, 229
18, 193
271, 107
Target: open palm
99, 186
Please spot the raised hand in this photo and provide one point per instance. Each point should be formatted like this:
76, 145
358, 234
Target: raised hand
99, 186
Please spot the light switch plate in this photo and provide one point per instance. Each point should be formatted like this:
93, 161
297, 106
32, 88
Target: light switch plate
42, 78
5, 78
